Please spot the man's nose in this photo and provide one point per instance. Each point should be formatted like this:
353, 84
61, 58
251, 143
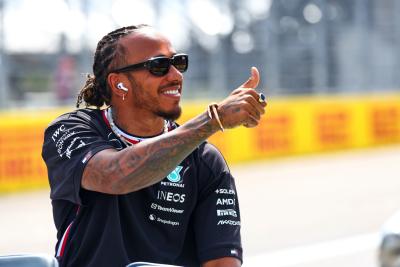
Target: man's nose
174, 74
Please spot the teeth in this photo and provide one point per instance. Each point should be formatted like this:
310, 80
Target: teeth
171, 92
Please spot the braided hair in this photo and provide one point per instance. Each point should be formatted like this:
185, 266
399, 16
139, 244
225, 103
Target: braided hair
96, 91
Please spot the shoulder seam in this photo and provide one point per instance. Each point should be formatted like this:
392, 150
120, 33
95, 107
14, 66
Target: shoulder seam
207, 164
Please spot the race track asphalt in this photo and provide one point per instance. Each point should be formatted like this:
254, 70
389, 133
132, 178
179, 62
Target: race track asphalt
318, 210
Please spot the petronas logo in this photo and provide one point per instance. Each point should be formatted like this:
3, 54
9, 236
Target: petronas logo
174, 176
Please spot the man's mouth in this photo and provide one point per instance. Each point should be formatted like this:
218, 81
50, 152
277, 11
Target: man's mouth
172, 90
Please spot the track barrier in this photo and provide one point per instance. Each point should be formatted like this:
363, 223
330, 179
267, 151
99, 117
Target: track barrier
291, 126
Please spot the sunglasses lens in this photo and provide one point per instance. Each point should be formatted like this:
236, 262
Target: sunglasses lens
159, 66
180, 62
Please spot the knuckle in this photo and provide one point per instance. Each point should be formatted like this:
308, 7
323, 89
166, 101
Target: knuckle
243, 102
248, 97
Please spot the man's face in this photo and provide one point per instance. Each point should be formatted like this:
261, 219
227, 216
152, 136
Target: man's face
157, 95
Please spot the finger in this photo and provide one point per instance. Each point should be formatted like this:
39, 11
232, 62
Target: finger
249, 91
251, 111
236, 91
254, 79
262, 99
256, 105
246, 91
251, 122
255, 95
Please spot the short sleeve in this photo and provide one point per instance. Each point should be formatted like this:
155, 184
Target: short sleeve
217, 215
69, 143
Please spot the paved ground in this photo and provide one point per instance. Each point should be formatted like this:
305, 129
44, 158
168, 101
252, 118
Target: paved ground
323, 210
302, 209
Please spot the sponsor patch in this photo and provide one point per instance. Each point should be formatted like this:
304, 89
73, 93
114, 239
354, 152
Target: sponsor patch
175, 176
155, 206
154, 218
173, 223
57, 132
226, 201
171, 197
61, 137
180, 185
225, 191
228, 222
71, 148
227, 212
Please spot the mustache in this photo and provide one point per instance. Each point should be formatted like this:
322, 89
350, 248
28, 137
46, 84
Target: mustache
175, 83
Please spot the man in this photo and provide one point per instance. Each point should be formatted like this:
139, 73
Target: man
128, 184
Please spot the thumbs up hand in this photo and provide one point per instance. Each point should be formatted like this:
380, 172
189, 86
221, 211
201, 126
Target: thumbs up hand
243, 105
254, 79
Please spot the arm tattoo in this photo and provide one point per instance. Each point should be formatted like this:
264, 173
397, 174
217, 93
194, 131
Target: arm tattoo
236, 110
148, 162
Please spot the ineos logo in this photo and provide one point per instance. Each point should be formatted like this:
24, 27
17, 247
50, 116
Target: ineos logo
171, 197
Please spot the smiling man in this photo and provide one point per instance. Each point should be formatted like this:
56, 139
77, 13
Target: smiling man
128, 184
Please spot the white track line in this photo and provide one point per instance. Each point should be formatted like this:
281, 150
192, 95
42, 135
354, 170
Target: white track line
314, 252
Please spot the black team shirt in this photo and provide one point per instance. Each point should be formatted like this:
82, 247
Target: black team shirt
189, 217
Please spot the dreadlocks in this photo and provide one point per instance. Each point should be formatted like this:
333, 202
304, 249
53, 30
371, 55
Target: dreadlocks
96, 92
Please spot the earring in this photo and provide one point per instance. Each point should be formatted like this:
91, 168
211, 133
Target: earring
123, 97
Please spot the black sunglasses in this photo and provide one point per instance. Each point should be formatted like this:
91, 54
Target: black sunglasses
159, 66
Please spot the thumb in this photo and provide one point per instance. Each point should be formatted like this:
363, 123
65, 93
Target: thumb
254, 79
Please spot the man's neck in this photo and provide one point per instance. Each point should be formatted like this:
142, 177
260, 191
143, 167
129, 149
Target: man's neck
138, 123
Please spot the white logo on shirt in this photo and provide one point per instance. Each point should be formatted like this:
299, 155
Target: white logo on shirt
227, 212
226, 201
171, 197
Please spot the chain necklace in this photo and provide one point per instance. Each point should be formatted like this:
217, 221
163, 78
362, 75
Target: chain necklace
127, 139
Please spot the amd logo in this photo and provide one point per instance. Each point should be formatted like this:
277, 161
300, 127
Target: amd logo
226, 201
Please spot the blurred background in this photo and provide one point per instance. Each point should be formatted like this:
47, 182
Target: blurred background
324, 161
300, 46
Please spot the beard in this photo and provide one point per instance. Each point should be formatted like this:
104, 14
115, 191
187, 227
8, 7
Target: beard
171, 115
138, 90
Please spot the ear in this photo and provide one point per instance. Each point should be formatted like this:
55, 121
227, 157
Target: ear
113, 79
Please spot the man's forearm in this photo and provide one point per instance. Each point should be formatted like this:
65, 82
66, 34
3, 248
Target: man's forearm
146, 163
